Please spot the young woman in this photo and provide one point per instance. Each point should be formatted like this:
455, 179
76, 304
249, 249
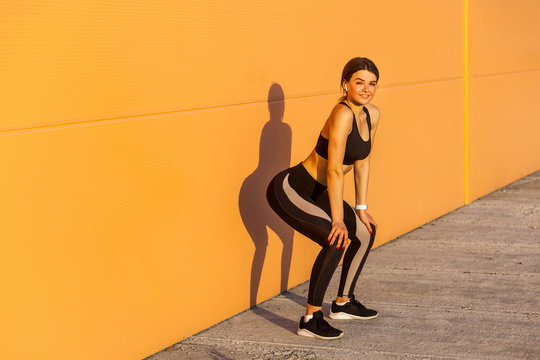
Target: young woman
309, 197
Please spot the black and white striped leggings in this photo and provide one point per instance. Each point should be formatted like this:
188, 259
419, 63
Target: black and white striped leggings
303, 203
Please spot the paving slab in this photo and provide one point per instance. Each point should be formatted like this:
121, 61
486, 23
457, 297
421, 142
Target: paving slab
464, 286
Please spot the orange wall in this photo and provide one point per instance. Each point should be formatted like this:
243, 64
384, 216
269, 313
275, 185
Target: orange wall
137, 138
504, 80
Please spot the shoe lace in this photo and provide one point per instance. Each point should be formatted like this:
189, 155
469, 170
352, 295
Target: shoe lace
322, 324
357, 303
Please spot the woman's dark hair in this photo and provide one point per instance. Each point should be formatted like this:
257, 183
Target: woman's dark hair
357, 64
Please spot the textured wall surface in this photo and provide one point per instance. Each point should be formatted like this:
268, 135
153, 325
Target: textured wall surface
504, 88
137, 139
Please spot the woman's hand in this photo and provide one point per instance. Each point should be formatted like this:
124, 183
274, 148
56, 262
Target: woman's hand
367, 220
339, 232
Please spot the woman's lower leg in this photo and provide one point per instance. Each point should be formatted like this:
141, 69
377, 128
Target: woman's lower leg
321, 274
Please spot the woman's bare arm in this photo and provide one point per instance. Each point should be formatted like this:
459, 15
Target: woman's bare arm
339, 127
361, 173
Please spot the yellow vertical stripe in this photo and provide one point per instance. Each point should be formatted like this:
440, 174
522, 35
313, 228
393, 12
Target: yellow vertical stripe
466, 95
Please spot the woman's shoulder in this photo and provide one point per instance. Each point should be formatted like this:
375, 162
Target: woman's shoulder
340, 119
342, 112
341, 115
374, 113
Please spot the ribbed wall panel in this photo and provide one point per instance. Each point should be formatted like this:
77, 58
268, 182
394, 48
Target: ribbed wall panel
113, 229
75, 61
504, 130
504, 116
503, 37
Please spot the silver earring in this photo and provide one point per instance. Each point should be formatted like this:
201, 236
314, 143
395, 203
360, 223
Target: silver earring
346, 87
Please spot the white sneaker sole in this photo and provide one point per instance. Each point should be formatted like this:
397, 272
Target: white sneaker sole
345, 316
307, 333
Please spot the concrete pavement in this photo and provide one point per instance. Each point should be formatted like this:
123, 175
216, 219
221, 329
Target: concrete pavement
464, 286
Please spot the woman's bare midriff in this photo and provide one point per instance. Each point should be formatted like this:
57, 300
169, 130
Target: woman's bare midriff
316, 167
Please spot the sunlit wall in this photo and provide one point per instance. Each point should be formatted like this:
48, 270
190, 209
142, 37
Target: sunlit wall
137, 139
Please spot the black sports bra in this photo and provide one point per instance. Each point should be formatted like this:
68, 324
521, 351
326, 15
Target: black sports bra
356, 148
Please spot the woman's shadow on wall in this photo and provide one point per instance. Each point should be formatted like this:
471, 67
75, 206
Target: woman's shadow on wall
274, 156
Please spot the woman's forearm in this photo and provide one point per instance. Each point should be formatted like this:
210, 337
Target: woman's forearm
334, 179
361, 179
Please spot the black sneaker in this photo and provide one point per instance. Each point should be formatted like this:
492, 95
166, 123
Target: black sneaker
318, 328
352, 310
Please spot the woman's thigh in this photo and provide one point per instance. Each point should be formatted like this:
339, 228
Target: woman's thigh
298, 210
349, 216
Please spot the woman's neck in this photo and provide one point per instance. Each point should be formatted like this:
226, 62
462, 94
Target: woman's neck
356, 108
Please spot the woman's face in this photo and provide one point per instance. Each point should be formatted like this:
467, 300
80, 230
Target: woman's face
361, 87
